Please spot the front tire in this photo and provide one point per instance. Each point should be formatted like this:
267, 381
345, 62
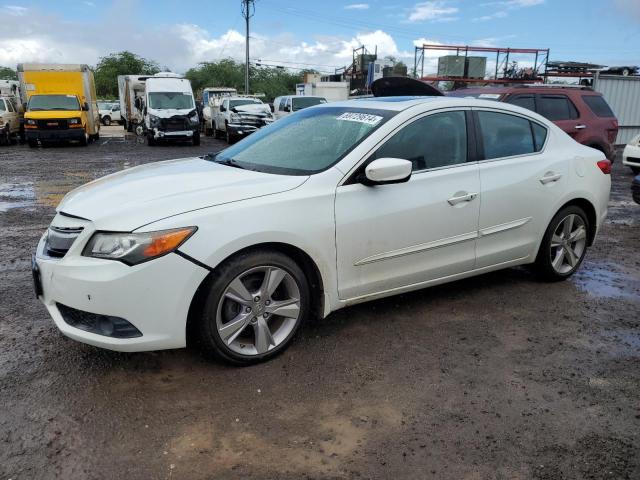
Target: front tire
151, 141
32, 143
635, 170
254, 307
564, 245
106, 121
196, 139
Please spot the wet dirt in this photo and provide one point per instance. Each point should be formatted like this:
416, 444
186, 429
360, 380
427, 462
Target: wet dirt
496, 377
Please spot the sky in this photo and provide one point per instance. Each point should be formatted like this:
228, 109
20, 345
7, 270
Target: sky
320, 35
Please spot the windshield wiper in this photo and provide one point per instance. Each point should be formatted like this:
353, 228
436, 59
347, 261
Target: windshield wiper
230, 162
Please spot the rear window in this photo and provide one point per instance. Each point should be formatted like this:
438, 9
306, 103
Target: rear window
557, 107
598, 105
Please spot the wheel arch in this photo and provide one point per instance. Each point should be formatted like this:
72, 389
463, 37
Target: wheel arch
590, 210
302, 258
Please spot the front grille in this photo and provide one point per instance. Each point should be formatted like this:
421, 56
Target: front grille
53, 124
174, 124
106, 325
257, 120
59, 240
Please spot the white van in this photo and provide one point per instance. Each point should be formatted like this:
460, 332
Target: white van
169, 109
283, 106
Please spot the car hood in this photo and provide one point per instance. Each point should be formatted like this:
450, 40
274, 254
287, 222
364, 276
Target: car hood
129, 199
252, 108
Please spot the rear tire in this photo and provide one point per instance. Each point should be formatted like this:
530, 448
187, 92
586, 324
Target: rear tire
564, 245
225, 304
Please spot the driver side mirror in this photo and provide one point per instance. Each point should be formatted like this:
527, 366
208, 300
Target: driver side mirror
222, 108
385, 171
85, 107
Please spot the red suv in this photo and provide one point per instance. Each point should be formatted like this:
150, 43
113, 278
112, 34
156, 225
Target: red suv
579, 111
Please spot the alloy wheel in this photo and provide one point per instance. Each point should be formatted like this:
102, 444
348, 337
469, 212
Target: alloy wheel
568, 243
258, 310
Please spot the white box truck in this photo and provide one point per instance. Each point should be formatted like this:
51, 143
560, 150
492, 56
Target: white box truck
130, 87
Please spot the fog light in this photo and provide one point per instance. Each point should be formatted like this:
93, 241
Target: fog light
106, 325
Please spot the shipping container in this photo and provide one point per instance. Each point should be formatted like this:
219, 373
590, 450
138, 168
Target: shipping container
623, 96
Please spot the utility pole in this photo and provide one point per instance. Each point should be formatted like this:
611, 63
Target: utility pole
248, 9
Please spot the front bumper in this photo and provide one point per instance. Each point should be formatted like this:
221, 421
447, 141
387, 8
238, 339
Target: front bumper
154, 296
54, 135
168, 135
631, 156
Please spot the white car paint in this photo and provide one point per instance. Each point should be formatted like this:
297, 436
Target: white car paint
112, 111
162, 83
367, 242
631, 153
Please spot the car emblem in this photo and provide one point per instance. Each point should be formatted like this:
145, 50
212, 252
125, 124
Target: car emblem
52, 124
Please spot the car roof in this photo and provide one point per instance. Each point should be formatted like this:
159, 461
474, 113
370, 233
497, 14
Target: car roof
530, 89
403, 103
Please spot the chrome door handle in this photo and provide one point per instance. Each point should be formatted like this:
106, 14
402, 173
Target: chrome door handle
467, 197
580, 127
550, 177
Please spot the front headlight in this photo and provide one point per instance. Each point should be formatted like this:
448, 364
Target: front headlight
135, 248
30, 121
234, 117
154, 121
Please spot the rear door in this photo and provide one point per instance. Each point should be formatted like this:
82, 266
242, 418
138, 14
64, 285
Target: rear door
560, 110
521, 182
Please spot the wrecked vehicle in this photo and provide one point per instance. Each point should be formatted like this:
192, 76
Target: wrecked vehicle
240, 116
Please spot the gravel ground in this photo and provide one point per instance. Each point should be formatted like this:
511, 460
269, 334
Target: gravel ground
498, 376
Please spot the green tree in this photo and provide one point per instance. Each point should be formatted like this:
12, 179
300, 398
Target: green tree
271, 81
7, 73
121, 63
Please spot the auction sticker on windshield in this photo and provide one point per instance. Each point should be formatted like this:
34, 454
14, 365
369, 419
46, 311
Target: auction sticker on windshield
367, 118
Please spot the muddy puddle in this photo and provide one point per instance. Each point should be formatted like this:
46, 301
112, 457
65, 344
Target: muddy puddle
606, 280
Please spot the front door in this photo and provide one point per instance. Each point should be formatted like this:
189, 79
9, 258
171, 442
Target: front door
393, 236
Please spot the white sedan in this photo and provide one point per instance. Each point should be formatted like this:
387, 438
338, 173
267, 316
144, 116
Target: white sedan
334, 205
631, 154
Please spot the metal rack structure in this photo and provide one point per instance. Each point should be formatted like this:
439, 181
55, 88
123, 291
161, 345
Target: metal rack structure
503, 74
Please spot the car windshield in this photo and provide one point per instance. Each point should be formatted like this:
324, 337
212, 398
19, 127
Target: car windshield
304, 102
2, 106
169, 100
247, 101
104, 106
53, 102
305, 143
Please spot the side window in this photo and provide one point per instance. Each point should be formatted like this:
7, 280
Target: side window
539, 135
10, 106
225, 104
524, 101
433, 141
505, 135
283, 102
557, 107
598, 105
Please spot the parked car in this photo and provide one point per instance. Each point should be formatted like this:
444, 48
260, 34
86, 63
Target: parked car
283, 106
335, 205
631, 154
239, 116
635, 189
579, 111
624, 70
9, 121
109, 113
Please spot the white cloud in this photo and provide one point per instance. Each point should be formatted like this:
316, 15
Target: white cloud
432, 11
15, 10
357, 6
492, 16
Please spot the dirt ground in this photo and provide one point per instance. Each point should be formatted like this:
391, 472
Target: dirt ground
495, 377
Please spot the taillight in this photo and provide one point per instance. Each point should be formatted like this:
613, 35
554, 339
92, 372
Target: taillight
605, 166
